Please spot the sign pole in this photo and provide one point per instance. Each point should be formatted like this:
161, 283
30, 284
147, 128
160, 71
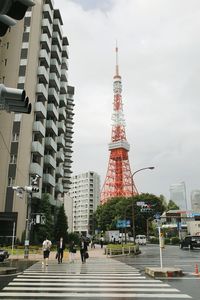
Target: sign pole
160, 246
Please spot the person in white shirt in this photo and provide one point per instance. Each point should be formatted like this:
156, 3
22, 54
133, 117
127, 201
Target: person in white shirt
46, 247
60, 249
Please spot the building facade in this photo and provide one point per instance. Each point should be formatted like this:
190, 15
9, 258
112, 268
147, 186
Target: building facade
85, 192
195, 200
178, 195
34, 57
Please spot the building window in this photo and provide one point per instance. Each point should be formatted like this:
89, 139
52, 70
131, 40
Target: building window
15, 137
13, 158
11, 181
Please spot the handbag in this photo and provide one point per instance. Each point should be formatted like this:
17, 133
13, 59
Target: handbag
86, 255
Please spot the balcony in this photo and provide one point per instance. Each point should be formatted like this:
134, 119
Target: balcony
65, 52
60, 156
57, 27
55, 67
64, 76
43, 74
35, 169
45, 42
48, 13
59, 188
44, 58
47, 27
60, 141
50, 161
40, 110
64, 63
50, 144
41, 92
56, 40
52, 111
48, 179
63, 100
59, 171
55, 53
53, 96
38, 128
63, 87
62, 113
51, 127
37, 148
61, 127
54, 81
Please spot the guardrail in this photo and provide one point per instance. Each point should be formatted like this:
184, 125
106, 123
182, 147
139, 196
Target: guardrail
122, 250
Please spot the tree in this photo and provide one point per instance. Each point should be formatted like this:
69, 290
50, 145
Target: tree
41, 231
61, 226
172, 205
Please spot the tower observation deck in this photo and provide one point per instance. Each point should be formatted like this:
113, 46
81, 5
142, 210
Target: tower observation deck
119, 181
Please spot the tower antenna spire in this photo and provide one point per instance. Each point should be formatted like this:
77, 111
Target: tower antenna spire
117, 65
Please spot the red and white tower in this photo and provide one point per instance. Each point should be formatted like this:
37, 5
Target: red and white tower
119, 181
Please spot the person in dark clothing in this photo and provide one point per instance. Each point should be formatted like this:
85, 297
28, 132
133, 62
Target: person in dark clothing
83, 249
60, 249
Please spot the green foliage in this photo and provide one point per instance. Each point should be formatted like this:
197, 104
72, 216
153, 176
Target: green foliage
41, 231
172, 206
154, 240
167, 241
61, 225
72, 236
175, 240
124, 208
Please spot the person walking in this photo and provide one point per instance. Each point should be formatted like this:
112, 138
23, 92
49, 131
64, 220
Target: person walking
72, 251
101, 241
83, 249
46, 247
60, 250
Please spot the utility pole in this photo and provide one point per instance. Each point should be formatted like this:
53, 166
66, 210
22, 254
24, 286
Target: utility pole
29, 190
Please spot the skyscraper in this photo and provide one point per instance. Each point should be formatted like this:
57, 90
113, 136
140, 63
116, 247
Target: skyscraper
85, 192
195, 200
34, 57
178, 195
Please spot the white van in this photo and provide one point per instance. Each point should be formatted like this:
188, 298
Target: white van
141, 239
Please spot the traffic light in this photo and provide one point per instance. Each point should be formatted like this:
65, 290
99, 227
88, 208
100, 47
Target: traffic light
11, 10
31, 189
14, 100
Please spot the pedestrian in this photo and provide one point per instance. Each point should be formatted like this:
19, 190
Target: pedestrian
46, 247
60, 250
101, 242
93, 243
72, 251
83, 249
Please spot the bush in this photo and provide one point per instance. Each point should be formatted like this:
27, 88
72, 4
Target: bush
154, 240
175, 240
167, 241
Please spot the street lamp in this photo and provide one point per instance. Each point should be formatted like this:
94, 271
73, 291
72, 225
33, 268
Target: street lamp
133, 213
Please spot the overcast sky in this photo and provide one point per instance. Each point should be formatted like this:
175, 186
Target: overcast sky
159, 61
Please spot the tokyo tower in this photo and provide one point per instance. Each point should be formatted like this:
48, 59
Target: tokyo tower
119, 181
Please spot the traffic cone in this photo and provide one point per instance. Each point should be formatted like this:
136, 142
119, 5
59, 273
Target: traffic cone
196, 270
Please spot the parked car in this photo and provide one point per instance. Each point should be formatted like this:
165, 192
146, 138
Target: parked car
3, 255
141, 239
190, 241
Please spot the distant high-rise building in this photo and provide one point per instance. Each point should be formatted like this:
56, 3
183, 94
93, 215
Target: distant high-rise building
178, 194
85, 192
34, 57
195, 200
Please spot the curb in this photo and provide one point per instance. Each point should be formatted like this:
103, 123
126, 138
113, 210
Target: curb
7, 270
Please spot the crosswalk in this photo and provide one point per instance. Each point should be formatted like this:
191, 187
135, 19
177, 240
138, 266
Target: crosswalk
99, 278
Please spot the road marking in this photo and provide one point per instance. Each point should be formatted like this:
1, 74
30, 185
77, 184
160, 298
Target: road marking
98, 295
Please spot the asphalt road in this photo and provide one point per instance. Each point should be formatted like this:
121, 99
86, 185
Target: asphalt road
174, 257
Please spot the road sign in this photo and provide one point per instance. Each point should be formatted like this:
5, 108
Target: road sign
123, 223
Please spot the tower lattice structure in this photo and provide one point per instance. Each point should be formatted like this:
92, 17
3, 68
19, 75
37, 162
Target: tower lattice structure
119, 180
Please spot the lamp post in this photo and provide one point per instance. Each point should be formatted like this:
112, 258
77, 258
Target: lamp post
133, 213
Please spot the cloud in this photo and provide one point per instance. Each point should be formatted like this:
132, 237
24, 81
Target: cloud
159, 48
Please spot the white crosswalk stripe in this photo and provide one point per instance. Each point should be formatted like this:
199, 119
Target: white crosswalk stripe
97, 279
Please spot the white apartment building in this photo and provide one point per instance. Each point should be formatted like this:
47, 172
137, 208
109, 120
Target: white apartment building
178, 195
195, 200
34, 57
85, 192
